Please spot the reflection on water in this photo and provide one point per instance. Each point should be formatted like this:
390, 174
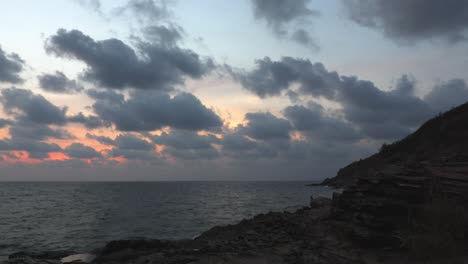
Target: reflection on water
83, 216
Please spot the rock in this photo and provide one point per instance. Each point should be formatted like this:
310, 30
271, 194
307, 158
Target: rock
319, 202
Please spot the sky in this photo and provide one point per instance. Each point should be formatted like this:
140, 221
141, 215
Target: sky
158, 90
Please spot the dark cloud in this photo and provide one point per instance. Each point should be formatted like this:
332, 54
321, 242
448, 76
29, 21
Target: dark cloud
182, 139
314, 122
412, 20
5, 122
106, 95
101, 139
237, 142
364, 108
447, 95
29, 136
29, 107
38, 155
280, 16
147, 111
80, 151
365, 105
193, 154
271, 78
128, 146
90, 121
38, 131
187, 145
112, 63
166, 36
301, 36
11, 65
131, 142
239, 147
133, 154
265, 126
30, 145
58, 83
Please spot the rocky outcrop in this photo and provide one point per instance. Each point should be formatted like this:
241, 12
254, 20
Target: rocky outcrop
407, 208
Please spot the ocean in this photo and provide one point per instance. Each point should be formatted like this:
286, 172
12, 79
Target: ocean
39, 216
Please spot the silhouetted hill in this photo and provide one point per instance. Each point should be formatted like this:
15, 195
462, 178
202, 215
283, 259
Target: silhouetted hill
443, 138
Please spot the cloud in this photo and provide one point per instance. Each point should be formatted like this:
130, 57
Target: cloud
265, 126
131, 142
447, 95
239, 147
132, 147
94, 5
193, 154
90, 121
132, 154
11, 65
112, 63
148, 11
101, 139
187, 145
281, 15
319, 126
39, 149
29, 136
414, 20
271, 78
366, 105
36, 131
182, 139
80, 151
147, 111
5, 122
364, 108
58, 83
167, 36
29, 107
237, 142
128, 146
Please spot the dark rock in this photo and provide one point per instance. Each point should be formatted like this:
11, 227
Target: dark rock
319, 202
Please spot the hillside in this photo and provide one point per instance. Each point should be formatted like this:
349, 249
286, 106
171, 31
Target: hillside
441, 139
